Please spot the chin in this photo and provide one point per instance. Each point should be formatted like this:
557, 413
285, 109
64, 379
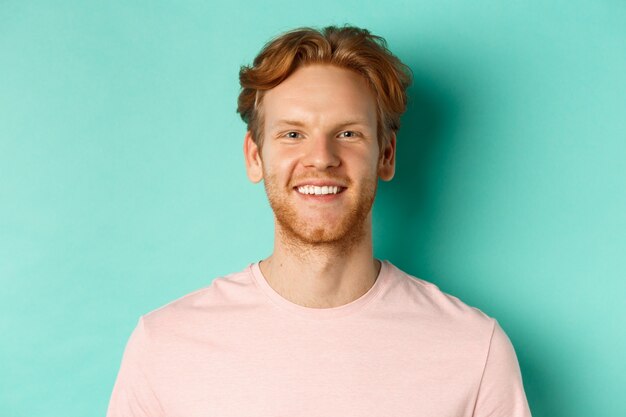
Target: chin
342, 236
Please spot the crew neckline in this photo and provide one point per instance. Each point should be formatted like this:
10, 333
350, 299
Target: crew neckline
322, 313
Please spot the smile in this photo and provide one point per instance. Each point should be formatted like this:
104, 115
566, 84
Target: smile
323, 190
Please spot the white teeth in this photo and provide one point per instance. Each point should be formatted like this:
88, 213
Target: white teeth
313, 189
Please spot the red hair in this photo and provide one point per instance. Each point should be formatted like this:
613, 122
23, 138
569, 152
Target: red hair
346, 47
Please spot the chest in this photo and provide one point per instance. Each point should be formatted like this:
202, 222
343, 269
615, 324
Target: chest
320, 372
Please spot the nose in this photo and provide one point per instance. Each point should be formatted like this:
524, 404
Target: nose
321, 153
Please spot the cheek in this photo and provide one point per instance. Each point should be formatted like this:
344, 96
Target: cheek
367, 163
278, 167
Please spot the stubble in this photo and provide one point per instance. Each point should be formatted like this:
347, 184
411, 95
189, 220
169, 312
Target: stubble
302, 238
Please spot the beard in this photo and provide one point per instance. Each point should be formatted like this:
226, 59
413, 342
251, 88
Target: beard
344, 233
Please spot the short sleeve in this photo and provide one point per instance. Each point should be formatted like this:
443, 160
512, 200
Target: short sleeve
501, 392
132, 394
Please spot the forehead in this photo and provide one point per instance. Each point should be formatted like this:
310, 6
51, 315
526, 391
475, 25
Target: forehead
320, 94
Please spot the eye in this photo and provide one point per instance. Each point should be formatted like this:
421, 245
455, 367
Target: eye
292, 135
348, 134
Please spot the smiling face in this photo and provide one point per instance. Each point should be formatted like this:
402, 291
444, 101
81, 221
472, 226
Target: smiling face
320, 159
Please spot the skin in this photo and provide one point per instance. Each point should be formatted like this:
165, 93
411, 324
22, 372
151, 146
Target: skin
320, 129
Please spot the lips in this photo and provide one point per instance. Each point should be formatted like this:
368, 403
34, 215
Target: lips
319, 190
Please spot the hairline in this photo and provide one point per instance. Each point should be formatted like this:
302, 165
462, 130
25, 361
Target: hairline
258, 115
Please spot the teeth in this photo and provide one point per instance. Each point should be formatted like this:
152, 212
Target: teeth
312, 189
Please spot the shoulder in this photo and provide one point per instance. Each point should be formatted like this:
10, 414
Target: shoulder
196, 307
426, 302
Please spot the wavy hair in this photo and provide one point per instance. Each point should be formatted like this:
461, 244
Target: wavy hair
346, 47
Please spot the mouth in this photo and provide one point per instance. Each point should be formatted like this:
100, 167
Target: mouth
307, 189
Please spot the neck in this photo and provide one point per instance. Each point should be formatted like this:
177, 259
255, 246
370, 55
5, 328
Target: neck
321, 275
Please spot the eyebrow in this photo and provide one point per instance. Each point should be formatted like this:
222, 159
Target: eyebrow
286, 122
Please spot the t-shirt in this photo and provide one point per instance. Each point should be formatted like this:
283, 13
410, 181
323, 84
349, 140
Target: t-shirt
238, 348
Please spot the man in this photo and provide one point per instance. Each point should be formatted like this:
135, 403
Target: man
320, 327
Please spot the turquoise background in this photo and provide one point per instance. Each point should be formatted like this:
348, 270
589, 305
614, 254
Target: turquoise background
122, 183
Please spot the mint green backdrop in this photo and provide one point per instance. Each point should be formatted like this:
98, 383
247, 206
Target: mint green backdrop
122, 183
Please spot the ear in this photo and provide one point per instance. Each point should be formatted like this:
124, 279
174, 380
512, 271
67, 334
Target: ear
387, 161
252, 154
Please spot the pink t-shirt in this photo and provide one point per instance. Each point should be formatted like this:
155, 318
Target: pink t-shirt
238, 348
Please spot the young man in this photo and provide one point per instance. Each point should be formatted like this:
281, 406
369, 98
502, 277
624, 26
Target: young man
320, 327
